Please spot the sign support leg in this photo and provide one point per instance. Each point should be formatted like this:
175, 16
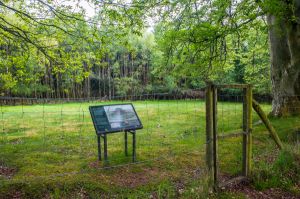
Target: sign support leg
99, 148
126, 143
133, 147
105, 147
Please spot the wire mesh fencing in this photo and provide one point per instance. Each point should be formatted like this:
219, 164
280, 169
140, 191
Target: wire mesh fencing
230, 140
264, 147
44, 138
51, 138
234, 142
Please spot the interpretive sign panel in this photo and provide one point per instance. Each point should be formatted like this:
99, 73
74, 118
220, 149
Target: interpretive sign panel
114, 118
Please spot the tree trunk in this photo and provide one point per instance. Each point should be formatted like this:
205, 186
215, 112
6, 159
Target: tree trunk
284, 37
109, 79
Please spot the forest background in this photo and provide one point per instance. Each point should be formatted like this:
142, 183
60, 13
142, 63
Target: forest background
56, 50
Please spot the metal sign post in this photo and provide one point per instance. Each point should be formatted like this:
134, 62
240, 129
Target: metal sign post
133, 132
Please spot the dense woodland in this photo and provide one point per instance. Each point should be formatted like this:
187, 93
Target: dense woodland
53, 49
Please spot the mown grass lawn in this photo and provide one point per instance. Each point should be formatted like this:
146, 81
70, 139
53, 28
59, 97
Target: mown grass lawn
50, 151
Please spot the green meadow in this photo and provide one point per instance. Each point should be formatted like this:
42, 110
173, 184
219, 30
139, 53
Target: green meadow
50, 151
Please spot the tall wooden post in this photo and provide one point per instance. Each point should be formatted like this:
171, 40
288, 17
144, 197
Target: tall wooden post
250, 127
215, 134
247, 129
209, 129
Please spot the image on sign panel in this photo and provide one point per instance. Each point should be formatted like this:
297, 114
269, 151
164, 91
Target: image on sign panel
122, 116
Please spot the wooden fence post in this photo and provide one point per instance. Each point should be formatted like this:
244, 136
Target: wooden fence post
209, 129
247, 129
215, 135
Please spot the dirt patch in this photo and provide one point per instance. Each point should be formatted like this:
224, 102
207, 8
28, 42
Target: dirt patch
132, 179
16, 195
7, 172
250, 192
94, 165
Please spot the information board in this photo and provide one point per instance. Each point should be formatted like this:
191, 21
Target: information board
115, 118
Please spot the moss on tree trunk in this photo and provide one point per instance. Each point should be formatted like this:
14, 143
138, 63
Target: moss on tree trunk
284, 36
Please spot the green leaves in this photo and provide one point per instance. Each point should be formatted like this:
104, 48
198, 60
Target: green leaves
194, 41
7, 81
214, 40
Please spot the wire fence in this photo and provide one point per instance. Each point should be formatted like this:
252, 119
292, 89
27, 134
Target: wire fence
230, 142
230, 125
48, 138
43, 138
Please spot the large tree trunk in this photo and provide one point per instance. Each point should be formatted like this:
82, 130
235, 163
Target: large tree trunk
284, 38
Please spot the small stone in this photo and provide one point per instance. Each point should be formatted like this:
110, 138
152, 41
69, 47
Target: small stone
180, 191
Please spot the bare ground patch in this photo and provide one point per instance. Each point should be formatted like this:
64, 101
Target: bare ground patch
7, 172
16, 195
249, 191
132, 179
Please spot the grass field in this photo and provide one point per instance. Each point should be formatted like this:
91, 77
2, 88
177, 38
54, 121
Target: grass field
50, 151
